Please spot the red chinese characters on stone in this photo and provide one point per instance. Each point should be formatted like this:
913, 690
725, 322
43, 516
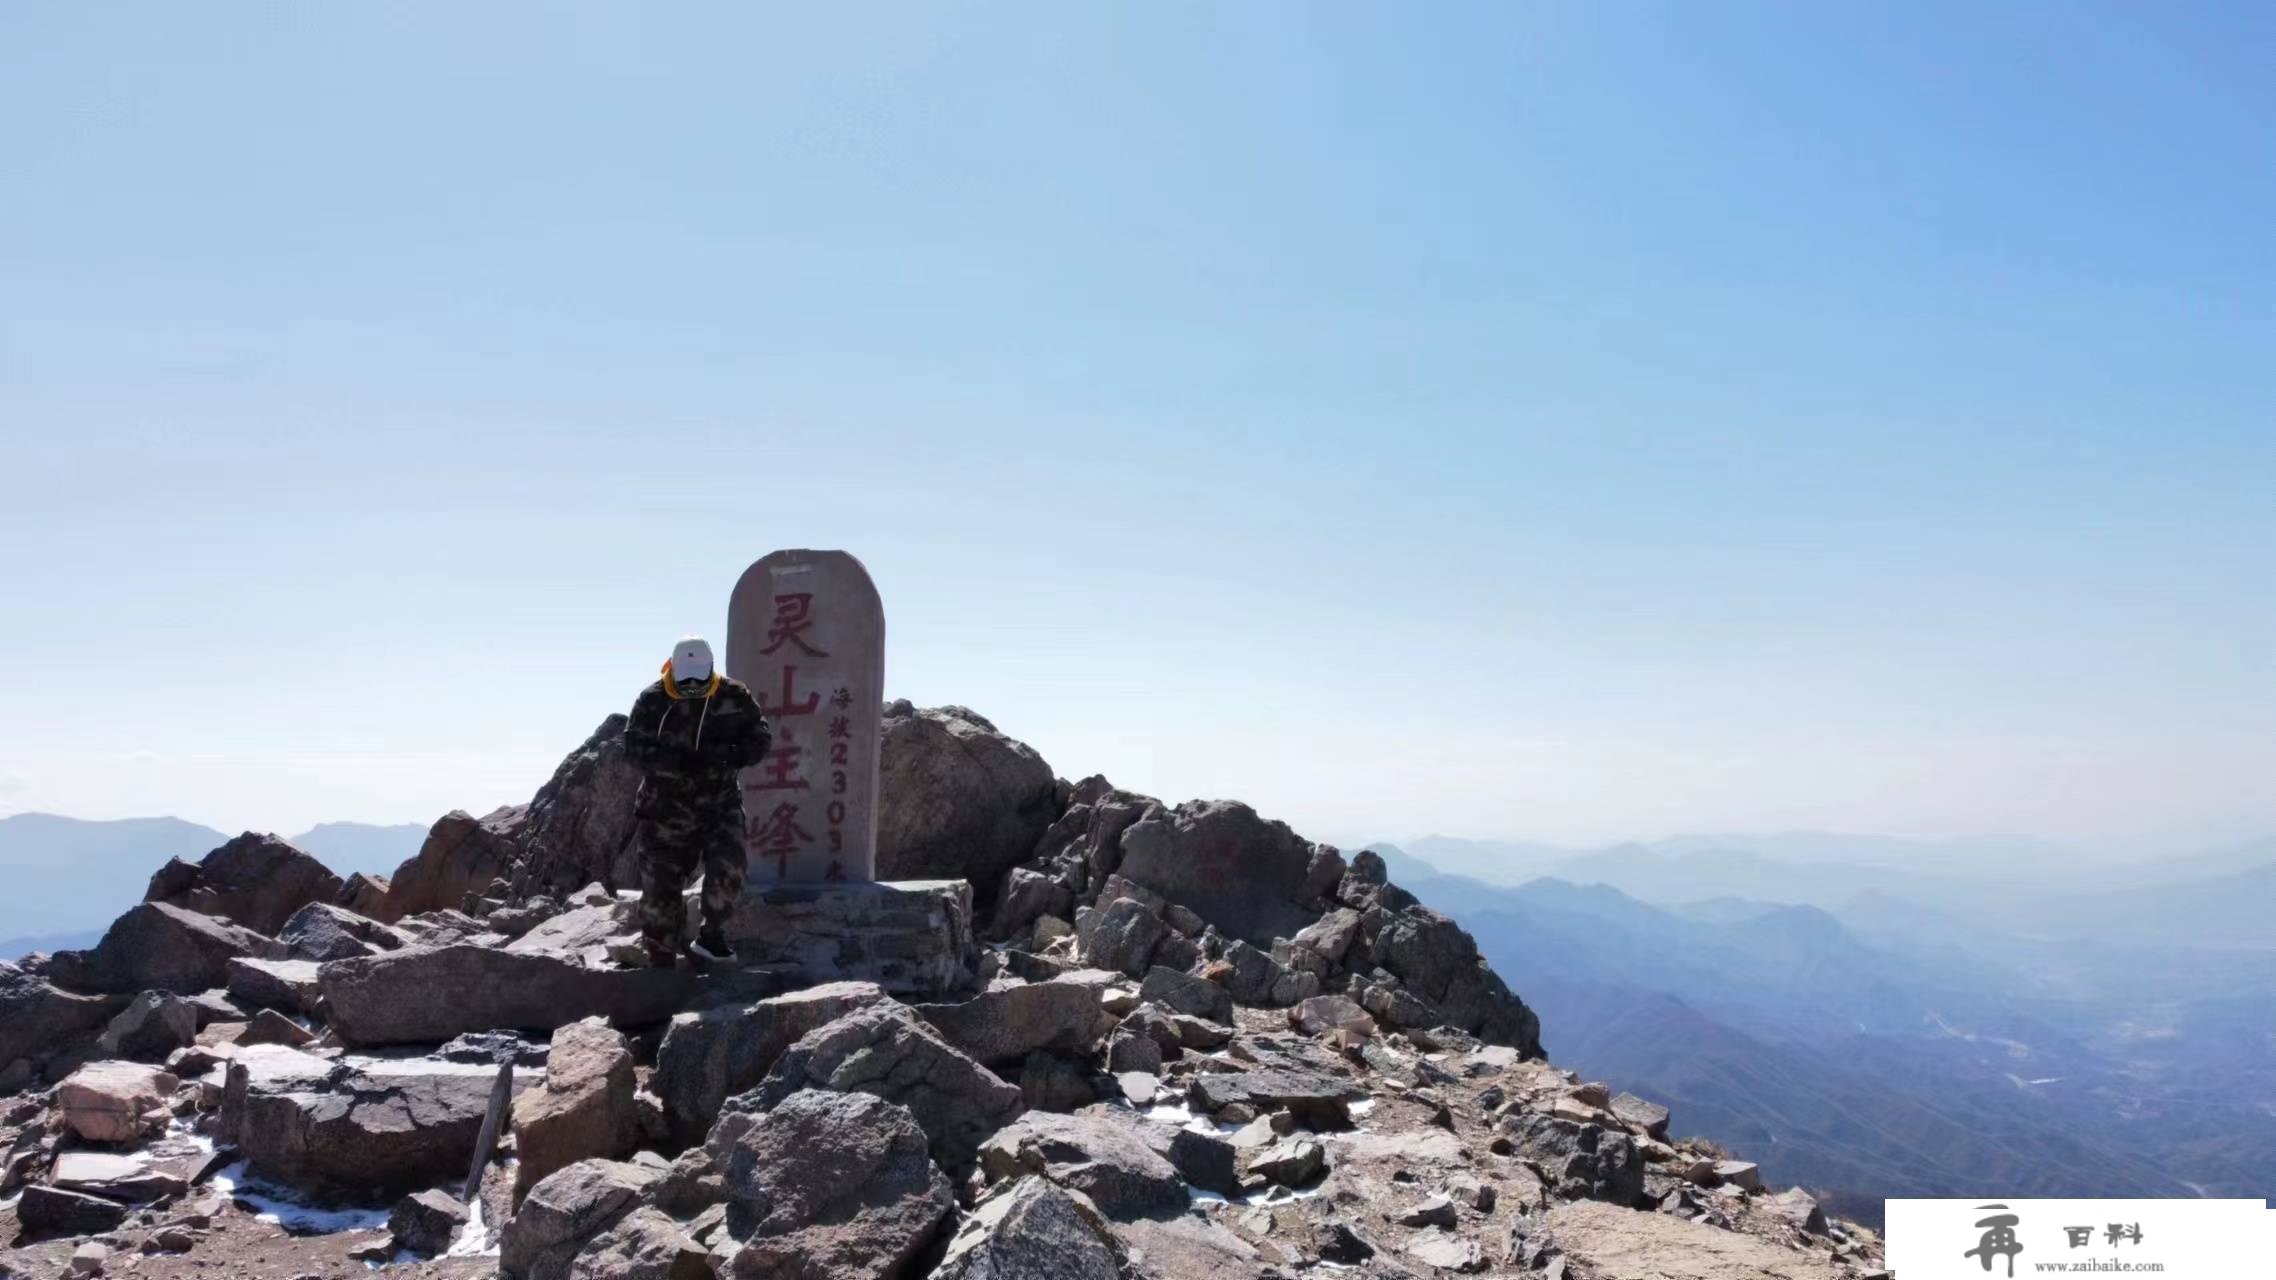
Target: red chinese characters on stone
793, 614
806, 633
778, 836
789, 705
781, 769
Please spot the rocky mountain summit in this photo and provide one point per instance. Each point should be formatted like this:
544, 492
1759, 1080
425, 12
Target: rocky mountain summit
1147, 1041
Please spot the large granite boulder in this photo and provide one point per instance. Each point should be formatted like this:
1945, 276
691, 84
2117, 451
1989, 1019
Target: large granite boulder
1317, 1101
160, 947
365, 894
1252, 878
1102, 1158
578, 828
424, 995
575, 931
1121, 935
1027, 896
442, 928
1012, 1019
1032, 1229
1640, 1115
643, 1245
1438, 961
833, 1186
888, 1051
958, 799
584, 1110
1261, 977
1203, 1159
291, 986
1798, 1209
152, 1026
256, 880
426, 1222
358, 1128
36, 1019
563, 1213
115, 1101
709, 1056
324, 931
1579, 1160
53, 1211
1330, 937
575, 831
127, 1179
1184, 993
1293, 1161
1321, 1015
460, 857
1056, 1082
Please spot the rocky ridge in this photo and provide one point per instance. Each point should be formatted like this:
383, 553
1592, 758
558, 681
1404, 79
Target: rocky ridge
1196, 1045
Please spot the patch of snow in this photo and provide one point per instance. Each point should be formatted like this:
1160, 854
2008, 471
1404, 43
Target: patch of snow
426, 1066
180, 1139
1361, 1107
1179, 1113
474, 1239
1277, 1195
1196, 1195
280, 1207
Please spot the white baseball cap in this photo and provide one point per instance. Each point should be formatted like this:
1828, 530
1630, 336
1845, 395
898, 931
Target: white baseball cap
691, 659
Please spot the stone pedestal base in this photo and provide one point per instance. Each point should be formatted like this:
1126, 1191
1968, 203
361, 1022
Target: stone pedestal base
911, 937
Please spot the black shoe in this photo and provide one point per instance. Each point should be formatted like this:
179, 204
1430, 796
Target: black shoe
661, 957
713, 946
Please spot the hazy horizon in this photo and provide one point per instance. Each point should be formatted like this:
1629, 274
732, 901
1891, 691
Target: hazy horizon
1577, 422
1880, 847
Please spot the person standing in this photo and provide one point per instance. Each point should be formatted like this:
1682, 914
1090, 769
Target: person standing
691, 733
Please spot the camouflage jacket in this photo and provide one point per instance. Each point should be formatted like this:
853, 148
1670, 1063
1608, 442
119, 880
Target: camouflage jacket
688, 750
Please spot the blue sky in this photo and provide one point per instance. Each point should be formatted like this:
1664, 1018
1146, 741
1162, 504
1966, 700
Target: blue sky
1573, 422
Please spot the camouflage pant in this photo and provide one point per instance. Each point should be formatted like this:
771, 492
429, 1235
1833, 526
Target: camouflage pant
670, 851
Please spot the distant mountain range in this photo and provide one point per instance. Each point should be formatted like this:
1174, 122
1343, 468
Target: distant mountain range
68, 878
1777, 852
1996, 888
349, 847
1903, 1049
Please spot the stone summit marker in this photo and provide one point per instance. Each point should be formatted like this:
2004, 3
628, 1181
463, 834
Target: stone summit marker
806, 631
